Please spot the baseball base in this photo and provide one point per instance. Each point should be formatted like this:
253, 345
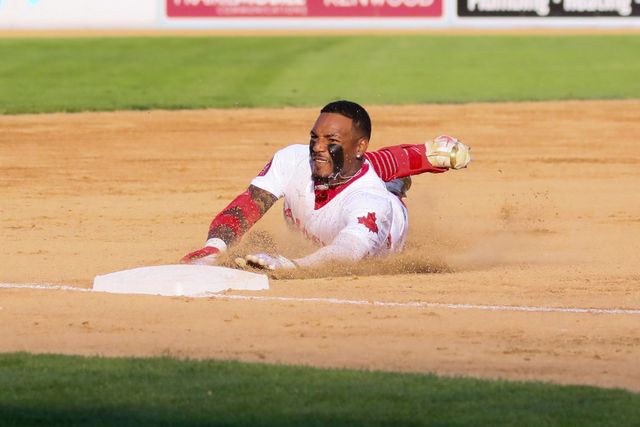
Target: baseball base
179, 280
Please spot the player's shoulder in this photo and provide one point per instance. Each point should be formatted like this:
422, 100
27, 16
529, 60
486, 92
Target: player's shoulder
294, 151
291, 155
370, 181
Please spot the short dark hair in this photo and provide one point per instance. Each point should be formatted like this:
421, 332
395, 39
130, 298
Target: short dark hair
357, 113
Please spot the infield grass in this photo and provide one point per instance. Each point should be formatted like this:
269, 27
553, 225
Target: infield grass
71, 390
46, 75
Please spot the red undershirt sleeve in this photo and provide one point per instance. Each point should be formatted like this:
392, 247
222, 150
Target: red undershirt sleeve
399, 161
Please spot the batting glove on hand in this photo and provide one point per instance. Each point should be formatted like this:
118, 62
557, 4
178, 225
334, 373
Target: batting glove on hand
207, 255
266, 262
447, 152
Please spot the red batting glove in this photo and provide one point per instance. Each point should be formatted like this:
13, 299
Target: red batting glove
205, 256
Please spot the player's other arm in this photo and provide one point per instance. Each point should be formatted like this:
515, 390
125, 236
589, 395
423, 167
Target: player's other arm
345, 247
365, 233
368, 224
435, 156
230, 224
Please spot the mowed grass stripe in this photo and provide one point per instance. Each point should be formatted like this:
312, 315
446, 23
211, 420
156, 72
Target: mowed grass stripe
39, 75
69, 390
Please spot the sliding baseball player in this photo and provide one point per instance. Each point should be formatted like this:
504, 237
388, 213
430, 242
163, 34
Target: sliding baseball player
340, 196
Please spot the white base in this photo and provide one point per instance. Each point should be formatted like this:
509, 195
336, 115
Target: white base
179, 280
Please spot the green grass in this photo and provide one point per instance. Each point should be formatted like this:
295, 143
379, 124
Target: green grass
63, 390
40, 75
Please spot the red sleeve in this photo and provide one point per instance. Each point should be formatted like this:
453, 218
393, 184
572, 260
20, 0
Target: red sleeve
235, 219
399, 161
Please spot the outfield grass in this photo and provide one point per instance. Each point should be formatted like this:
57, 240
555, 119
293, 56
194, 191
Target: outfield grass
40, 75
64, 390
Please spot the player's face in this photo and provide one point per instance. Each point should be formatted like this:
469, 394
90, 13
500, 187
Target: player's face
333, 133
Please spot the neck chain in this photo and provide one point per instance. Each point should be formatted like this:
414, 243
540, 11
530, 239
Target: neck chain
326, 185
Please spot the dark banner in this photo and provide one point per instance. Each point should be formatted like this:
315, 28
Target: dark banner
303, 8
549, 8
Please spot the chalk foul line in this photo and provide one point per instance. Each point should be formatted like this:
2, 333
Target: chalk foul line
421, 304
416, 304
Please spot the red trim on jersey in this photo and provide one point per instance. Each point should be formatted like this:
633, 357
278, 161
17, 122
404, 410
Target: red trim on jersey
399, 161
325, 196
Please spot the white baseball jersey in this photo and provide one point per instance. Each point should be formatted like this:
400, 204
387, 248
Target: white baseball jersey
361, 216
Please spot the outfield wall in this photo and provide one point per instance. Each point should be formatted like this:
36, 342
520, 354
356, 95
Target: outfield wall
317, 14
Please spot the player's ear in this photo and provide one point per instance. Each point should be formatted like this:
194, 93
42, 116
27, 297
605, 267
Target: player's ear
361, 146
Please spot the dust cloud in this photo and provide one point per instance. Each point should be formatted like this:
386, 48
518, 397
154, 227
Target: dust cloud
514, 234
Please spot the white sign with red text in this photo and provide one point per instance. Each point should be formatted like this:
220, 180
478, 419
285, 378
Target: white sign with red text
304, 8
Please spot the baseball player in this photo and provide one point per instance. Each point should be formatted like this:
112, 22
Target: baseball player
343, 198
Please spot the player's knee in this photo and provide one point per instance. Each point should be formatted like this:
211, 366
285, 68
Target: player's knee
399, 186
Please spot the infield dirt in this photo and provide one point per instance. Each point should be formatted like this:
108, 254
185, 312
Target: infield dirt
548, 215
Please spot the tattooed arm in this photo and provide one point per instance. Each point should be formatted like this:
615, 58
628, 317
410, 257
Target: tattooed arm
244, 211
230, 224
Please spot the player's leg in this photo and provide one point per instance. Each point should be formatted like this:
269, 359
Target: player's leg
399, 186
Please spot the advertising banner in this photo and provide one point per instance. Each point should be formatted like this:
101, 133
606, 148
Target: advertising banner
304, 8
549, 8
78, 13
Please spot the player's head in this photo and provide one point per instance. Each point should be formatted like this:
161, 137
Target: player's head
339, 139
359, 117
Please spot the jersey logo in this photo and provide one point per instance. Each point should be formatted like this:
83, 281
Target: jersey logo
369, 221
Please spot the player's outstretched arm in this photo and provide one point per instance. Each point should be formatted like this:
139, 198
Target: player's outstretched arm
344, 248
435, 156
230, 224
341, 249
366, 232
